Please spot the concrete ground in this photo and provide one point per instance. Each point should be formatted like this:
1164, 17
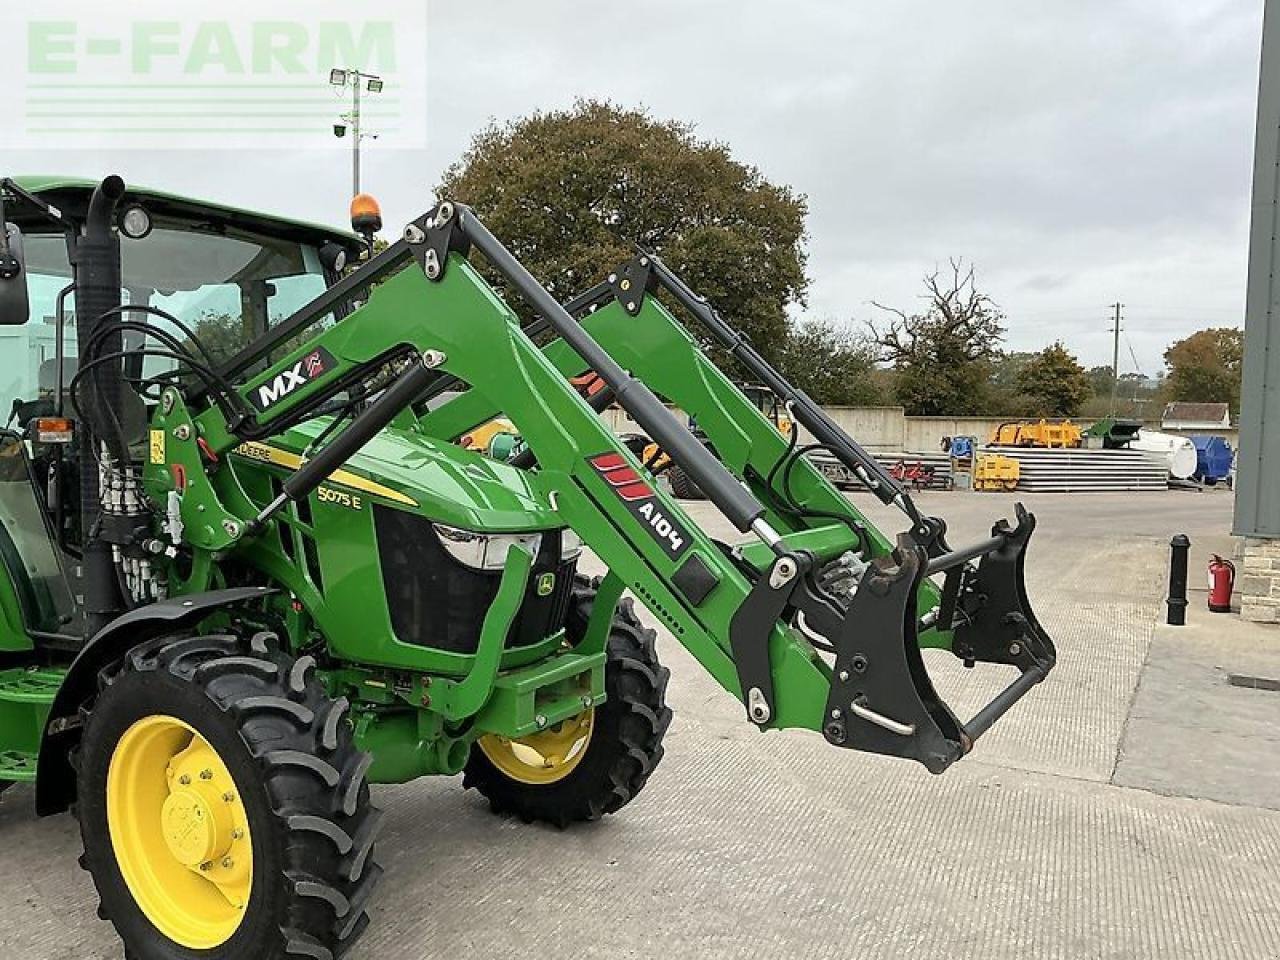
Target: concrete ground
1128, 808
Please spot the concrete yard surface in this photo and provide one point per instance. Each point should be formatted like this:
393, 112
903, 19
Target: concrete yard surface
1128, 808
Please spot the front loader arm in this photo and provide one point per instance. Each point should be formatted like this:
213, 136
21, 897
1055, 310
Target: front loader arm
438, 318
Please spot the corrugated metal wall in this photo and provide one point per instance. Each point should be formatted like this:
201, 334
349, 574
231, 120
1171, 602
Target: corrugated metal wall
1258, 481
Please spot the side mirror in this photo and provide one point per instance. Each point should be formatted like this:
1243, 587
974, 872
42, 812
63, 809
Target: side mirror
15, 305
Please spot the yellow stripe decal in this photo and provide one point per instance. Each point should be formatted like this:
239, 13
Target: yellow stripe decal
291, 461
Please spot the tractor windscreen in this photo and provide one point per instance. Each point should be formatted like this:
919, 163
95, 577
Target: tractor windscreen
228, 287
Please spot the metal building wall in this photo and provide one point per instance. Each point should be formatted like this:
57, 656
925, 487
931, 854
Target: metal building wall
1257, 509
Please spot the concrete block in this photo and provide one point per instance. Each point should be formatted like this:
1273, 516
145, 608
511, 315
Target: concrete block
1257, 586
1259, 612
1259, 546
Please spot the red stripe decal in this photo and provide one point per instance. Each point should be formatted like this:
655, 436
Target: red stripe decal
622, 476
635, 491
608, 461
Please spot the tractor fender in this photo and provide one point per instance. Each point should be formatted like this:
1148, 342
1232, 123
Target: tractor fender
55, 779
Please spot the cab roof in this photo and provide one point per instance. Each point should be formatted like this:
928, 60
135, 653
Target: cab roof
72, 195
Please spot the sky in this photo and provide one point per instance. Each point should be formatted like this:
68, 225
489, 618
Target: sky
1078, 154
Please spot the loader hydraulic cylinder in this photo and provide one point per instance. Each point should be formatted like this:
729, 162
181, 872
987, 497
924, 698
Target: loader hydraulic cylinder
362, 429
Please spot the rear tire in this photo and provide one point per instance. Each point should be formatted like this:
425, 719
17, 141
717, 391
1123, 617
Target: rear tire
302, 799
625, 742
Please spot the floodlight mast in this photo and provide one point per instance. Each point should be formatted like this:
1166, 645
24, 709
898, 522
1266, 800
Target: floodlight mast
355, 79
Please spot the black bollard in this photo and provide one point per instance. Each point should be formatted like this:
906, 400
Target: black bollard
1179, 547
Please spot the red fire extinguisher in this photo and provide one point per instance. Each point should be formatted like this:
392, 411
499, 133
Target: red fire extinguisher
1222, 578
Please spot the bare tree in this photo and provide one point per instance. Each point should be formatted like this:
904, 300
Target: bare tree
941, 357
961, 322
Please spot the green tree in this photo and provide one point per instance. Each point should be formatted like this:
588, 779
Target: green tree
1006, 396
833, 365
1054, 383
1206, 367
943, 358
571, 192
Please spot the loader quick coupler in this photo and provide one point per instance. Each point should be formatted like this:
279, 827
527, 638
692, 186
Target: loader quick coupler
878, 659
881, 698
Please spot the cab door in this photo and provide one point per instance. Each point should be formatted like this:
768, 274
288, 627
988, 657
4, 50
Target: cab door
35, 597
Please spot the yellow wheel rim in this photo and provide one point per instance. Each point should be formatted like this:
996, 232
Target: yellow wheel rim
180, 832
544, 757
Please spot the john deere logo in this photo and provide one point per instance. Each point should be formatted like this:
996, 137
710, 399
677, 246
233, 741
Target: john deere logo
546, 583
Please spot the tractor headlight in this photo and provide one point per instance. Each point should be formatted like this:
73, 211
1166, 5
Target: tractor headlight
483, 551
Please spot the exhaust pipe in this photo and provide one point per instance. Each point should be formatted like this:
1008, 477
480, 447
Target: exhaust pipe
96, 260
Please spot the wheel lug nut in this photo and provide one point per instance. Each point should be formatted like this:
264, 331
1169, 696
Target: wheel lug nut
206, 867
237, 834
229, 797
228, 863
184, 779
206, 774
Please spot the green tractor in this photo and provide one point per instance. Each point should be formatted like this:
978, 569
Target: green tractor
247, 570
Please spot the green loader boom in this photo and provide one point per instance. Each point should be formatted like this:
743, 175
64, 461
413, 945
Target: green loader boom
294, 534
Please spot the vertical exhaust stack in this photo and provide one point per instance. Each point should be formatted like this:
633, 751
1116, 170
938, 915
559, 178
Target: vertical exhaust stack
97, 279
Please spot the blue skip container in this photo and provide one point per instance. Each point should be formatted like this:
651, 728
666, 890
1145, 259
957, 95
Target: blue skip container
1213, 459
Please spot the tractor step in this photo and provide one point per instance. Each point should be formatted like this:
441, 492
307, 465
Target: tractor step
25, 698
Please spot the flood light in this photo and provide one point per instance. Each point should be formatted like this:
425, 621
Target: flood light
375, 84
338, 77
135, 222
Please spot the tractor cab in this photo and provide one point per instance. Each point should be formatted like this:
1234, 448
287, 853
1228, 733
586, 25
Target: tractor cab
228, 273
224, 274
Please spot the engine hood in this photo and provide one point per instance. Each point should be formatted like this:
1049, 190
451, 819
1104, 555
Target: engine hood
439, 480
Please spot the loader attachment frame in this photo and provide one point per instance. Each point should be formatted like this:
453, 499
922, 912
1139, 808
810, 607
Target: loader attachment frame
760, 618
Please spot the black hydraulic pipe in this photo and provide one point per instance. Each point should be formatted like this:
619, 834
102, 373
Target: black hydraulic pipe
368, 423
1003, 702
1179, 548
955, 558
737, 503
811, 416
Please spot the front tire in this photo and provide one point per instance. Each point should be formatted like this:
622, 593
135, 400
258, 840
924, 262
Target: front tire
620, 741
223, 805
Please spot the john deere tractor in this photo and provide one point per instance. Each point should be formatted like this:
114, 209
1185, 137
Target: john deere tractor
247, 569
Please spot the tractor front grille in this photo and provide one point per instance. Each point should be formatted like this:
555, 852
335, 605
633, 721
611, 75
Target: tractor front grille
434, 601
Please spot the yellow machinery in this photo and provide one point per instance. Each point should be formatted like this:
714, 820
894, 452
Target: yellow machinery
995, 471
1045, 433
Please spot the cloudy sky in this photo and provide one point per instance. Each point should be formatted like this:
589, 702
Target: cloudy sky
1077, 152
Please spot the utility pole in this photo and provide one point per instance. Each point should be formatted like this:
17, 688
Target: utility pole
1115, 357
355, 139
358, 81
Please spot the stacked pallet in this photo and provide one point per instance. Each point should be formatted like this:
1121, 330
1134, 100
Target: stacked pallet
1071, 471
